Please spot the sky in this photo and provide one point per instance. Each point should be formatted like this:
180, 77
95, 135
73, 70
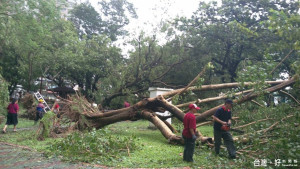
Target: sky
152, 12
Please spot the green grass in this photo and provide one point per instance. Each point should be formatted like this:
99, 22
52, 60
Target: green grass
154, 151
25, 135
22, 123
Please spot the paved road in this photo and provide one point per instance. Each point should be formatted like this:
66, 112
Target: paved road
15, 157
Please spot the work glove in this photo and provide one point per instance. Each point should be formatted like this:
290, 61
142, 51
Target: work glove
194, 137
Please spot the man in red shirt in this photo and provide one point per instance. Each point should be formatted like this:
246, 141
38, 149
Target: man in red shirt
189, 133
55, 110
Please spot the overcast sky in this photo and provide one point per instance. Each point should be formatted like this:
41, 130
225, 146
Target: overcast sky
152, 12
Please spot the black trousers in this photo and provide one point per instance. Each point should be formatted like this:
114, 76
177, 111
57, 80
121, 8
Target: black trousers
38, 115
189, 147
228, 141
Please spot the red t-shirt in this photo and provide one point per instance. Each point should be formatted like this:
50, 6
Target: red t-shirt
56, 106
13, 108
189, 122
126, 104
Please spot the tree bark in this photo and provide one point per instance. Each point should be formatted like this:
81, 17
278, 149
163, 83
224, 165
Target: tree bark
145, 109
290, 96
248, 97
164, 129
212, 99
216, 86
138, 111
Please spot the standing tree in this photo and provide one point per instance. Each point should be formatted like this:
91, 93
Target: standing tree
110, 21
232, 33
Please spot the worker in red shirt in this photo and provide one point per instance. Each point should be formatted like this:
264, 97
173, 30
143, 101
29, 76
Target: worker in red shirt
189, 133
126, 104
55, 110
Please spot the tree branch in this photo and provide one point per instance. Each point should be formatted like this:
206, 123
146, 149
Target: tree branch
282, 60
217, 86
250, 96
191, 83
290, 96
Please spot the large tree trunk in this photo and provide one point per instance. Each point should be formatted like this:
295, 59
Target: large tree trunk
164, 129
145, 110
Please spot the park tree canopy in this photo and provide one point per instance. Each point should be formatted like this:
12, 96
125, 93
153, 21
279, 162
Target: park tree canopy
240, 49
242, 39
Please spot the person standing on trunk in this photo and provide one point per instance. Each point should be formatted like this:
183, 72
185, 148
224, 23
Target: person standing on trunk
12, 115
189, 133
222, 122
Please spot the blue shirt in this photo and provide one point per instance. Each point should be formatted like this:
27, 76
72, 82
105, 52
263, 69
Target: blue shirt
39, 109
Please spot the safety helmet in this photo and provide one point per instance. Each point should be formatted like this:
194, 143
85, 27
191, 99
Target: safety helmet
41, 100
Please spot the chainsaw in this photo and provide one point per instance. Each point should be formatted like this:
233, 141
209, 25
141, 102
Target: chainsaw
227, 128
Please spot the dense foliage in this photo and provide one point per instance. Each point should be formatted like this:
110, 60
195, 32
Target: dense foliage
238, 33
280, 142
236, 36
47, 121
96, 146
4, 97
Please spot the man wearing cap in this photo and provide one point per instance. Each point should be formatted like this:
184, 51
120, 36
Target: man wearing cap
189, 133
39, 111
222, 122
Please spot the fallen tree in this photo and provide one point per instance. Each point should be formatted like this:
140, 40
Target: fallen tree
247, 97
85, 116
216, 86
